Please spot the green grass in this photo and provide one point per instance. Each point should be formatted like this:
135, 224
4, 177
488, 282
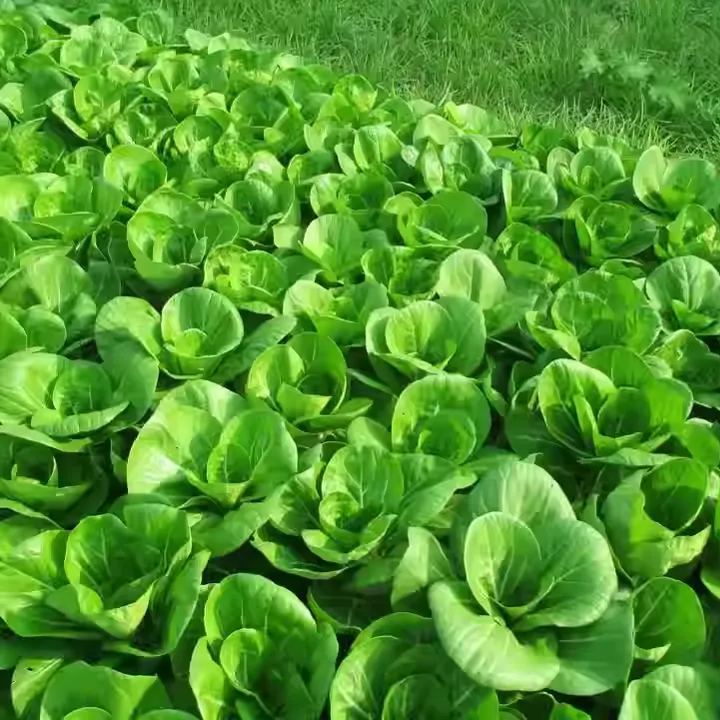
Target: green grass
521, 58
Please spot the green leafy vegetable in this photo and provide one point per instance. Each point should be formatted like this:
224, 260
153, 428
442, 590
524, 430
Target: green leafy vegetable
285, 356
195, 331
261, 653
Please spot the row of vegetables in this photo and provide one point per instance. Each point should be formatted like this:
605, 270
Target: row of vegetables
318, 402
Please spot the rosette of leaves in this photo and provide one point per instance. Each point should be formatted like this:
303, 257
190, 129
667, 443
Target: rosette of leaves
451, 218
328, 132
354, 101
606, 230
656, 519
362, 196
233, 155
19, 193
308, 85
207, 450
167, 238
106, 42
26, 93
586, 138
254, 280
427, 336
462, 163
241, 60
503, 298
257, 204
64, 398
358, 507
433, 128
130, 580
94, 104
692, 361
305, 168
610, 402
473, 275
55, 479
400, 114
195, 331
29, 147
182, 80
191, 154
538, 140
262, 654
340, 313
693, 232
668, 185
336, 244
48, 305
15, 41
271, 114
685, 292
530, 601
110, 264
94, 692
595, 310
443, 415
190, 147
378, 150
69, 207
675, 690
157, 27
528, 253
528, 195
85, 160
306, 381
73, 206
265, 166
596, 171
409, 274
397, 669
136, 170
18, 249
143, 121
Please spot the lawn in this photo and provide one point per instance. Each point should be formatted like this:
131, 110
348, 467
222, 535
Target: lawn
645, 68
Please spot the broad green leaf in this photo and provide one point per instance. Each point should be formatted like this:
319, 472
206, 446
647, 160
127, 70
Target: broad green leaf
669, 621
501, 561
597, 657
484, 649
445, 415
